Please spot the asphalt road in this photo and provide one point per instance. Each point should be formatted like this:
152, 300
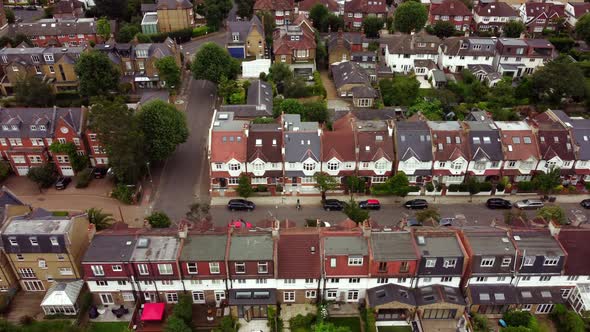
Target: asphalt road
192, 47
185, 178
465, 214
28, 16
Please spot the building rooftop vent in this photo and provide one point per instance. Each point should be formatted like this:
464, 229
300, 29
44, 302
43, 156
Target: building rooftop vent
421, 240
143, 242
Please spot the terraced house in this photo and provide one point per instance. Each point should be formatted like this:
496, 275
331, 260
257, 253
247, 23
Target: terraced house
59, 32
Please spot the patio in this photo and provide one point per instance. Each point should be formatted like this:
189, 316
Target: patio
25, 304
203, 313
106, 314
439, 325
258, 325
343, 310
289, 311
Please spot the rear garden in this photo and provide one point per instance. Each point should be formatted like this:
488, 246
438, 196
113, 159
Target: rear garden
394, 329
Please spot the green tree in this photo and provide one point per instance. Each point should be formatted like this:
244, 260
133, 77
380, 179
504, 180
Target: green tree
427, 215
335, 22
267, 18
4, 170
127, 33
10, 17
103, 28
226, 88
553, 213
355, 184
99, 219
444, 29
97, 74
513, 29
289, 106
213, 62
244, 188
432, 110
121, 135
184, 309
517, 318
399, 91
316, 111
113, 9
582, 27
546, 182
245, 8
159, 219
567, 320
372, 26
410, 16
280, 74
169, 71
32, 91
354, 212
176, 324
164, 127
472, 187
549, 86
44, 176
215, 11
324, 183
319, 14
397, 185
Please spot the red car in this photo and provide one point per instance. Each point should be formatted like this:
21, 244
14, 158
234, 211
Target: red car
240, 223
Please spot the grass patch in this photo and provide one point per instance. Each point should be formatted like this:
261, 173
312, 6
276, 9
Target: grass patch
108, 326
353, 323
394, 329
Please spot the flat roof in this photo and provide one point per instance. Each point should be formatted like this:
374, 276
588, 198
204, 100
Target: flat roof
47, 226
538, 244
392, 246
204, 248
512, 125
251, 247
346, 245
438, 245
155, 248
110, 248
224, 121
491, 244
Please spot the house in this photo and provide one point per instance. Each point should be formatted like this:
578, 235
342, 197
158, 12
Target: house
443, 259
54, 32
492, 260
305, 6
283, 11
375, 150
259, 102
265, 157
295, 45
356, 10
351, 80
339, 150
453, 11
393, 304
575, 10
68, 9
246, 38
28, 133
252, 275
342, 45
10, 206
203, 269
394, 259
43, 248
227, 150
346, 267
458, 53
538, 16
174, 15
149, 23
485, 74
520, 148
518, 57
492, 16
485, 150
413, 146
576, 242
367, 60
145, 57
299, 268
451, 151
555, 145
412, 52
302, 157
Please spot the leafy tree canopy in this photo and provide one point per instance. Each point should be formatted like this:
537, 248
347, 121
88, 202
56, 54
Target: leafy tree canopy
245, 8
113, 9
103, 28
399, 91
513, 29
444, 29
127, 33
213, 62
583, 27
169, 71
159, 219
410, 16
549, 86
319, 15
244, 188
33, 91
97, 74
164, 127
372, 25
354, 212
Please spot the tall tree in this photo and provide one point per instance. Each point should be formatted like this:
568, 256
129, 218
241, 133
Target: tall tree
99, 219
397, 185
583, 27
400, 91
444, 29
127, 32
10, 17
215, 11
44, 176
213, 62
335, 22
546, 182
280, 74
268, 21
163, 127
410, 16
97, 74
372, 26
245, 8
549, 85
113, 9
120, 133
103, 28
513, 29
319, 16
324, 182
354, 212
169, 71
33, 91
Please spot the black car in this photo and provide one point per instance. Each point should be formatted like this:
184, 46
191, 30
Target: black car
416, 204
585, 203
498, 203
62, 182
31, 7
19, 7
240, 204
370, 204
333, 205
99, 172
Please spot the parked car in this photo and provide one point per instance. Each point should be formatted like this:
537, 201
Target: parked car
414, 223
446, 221
498, 203
529, 204
416, 204
18, 7
99, 172
585, 203
333, 205
62, 182
240, 204
240, 223
32, 7
370, 204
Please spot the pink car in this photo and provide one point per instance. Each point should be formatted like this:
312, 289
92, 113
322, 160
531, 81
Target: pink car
240, 223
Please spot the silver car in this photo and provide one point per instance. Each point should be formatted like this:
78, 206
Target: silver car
529, 204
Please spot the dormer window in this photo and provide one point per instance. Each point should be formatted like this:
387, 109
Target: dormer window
450, 262
14, 127
333, 165
48, 57
141, 53
5, 127
421, 45
294, 38
235, 36
33, 128
551, 261
258, 142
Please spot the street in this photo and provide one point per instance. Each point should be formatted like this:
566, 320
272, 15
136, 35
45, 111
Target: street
185, 177
189, 49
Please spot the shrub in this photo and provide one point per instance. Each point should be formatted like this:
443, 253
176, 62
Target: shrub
455, 187
123, 193
227, 324
500, 187
83, 178
176, 324
518, 318
60, 213
587, 185
200, 31
485, 186
184, 308
480, 323
413, 189
44, 175
4, 170
429, 187
302, 322
274, 322
261, 188
26, 320
159, 220
566, 320
526, 186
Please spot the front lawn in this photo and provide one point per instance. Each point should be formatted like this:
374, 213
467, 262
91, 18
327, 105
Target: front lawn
108, 326
394, 329
354, 323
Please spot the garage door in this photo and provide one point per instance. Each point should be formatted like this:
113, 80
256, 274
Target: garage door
236, 52
67, 171
22, 170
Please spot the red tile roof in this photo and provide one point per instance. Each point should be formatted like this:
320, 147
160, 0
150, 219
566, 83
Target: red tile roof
499, 9
520, 149
225, 151
365, 6
576, 243
450, 8
548, 131
296, 259
306, 5
272, 5
536, 9
340, 142
453, 150
580, 8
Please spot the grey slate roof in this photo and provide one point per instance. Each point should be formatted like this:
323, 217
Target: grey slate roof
34, 55
538, 244
439, 245
581, 132
538, 295
251, 248
110, 248
365, 91
260, 94
493, 294
348, 72
439, 294
242, 28
412, 139
484, 140
25, 117
490, 243
246, 111
391, 293
419, 43
174, 4
159, 248
7, 198
53, 27
345, 245
388, 247
204, 248
148, 7
301, 139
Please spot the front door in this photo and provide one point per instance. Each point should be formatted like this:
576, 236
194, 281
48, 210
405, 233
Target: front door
33, 285
106, 298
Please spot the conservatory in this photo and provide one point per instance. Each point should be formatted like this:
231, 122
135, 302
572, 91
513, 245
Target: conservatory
62, 297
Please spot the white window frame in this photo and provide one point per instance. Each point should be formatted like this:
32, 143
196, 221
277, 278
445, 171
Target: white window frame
165, 269
289, 296
97, 270
143, 269
430, 262
117, 268
242, 265
193, 267
214, 268
448, 261
262, 267
355, 261
310, 294
551, 261
506, 261
487, 262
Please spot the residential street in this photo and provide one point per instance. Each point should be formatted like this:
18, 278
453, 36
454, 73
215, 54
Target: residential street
192, 47
185, 177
